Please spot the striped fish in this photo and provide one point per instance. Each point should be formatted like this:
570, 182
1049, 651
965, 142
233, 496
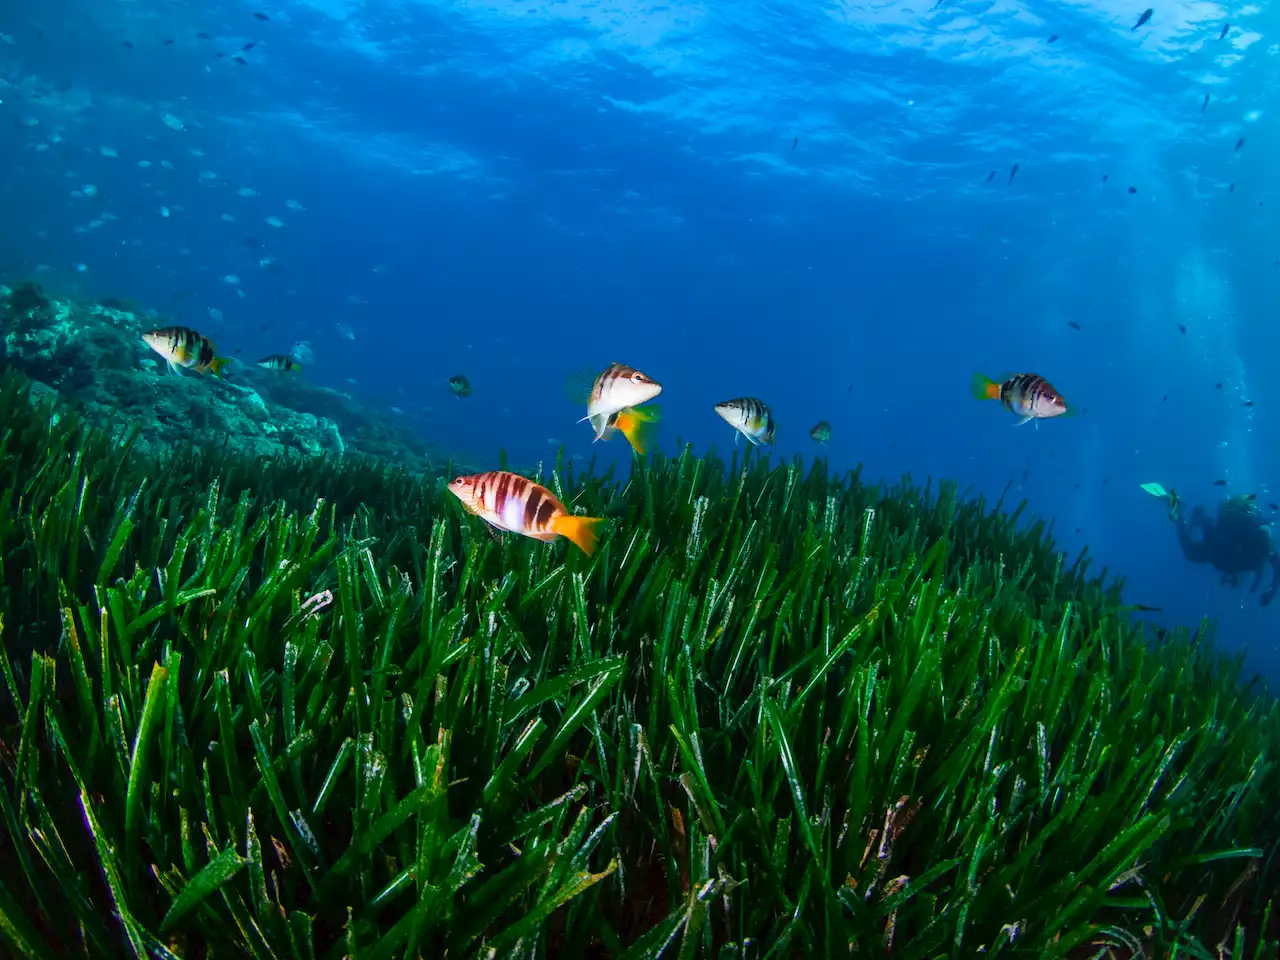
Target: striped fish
618, 388
511, 502
1028, 395
750, 417
183, 348
280, 361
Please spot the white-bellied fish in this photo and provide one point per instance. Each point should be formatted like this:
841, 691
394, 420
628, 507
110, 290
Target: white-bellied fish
750, 417
508, 501
459, 386
1028, 395
613, 402
183, 348
821, 432
280, 361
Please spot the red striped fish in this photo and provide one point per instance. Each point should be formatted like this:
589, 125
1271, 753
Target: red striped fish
511, 502
613, 401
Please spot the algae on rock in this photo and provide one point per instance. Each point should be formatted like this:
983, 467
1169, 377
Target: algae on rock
92, 354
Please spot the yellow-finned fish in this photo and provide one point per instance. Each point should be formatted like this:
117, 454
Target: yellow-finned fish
821, 432
612, 404
511, 502
637, 424
183, 348
460, 386
280, 361
750, 417
1029, 395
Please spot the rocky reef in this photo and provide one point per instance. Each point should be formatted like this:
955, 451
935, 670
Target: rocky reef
93, 355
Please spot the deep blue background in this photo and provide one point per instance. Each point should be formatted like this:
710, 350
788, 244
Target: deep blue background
552, 186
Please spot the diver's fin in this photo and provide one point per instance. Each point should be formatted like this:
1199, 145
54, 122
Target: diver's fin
1155, 490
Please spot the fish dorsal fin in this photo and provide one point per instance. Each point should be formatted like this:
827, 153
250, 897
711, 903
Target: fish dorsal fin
578, 385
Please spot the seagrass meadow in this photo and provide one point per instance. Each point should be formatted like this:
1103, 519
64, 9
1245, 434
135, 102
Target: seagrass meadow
309, 708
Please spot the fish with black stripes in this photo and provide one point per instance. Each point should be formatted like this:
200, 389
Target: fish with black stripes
750, 417
185, 349
1028, 395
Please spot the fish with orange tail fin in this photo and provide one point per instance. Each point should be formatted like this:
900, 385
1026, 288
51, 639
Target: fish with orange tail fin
183, 348
510, 502
616, 388
637, 424
1028, 395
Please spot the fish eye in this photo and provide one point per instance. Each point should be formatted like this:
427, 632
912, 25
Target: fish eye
638, 378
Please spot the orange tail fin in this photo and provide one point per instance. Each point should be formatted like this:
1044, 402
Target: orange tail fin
581, 530
637, 425
216, 367
983, 388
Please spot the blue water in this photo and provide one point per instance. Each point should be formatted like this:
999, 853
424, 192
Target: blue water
518, 190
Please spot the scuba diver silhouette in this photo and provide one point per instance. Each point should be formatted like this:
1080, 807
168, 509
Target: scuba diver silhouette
1236, 543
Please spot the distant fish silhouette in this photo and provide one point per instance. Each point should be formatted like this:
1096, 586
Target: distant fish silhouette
1104, 177
1053, 38
263, 16
991, 176
1204, 106
794, 141
1223, 34
1146, 15
1012, 173
1231, 189
1133, 189
1073, 325
1240, 143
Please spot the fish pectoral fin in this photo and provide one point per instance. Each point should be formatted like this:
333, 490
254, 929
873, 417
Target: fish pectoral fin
600, 424
1022, 421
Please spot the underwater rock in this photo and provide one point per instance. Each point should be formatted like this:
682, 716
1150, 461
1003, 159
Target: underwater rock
93, 354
